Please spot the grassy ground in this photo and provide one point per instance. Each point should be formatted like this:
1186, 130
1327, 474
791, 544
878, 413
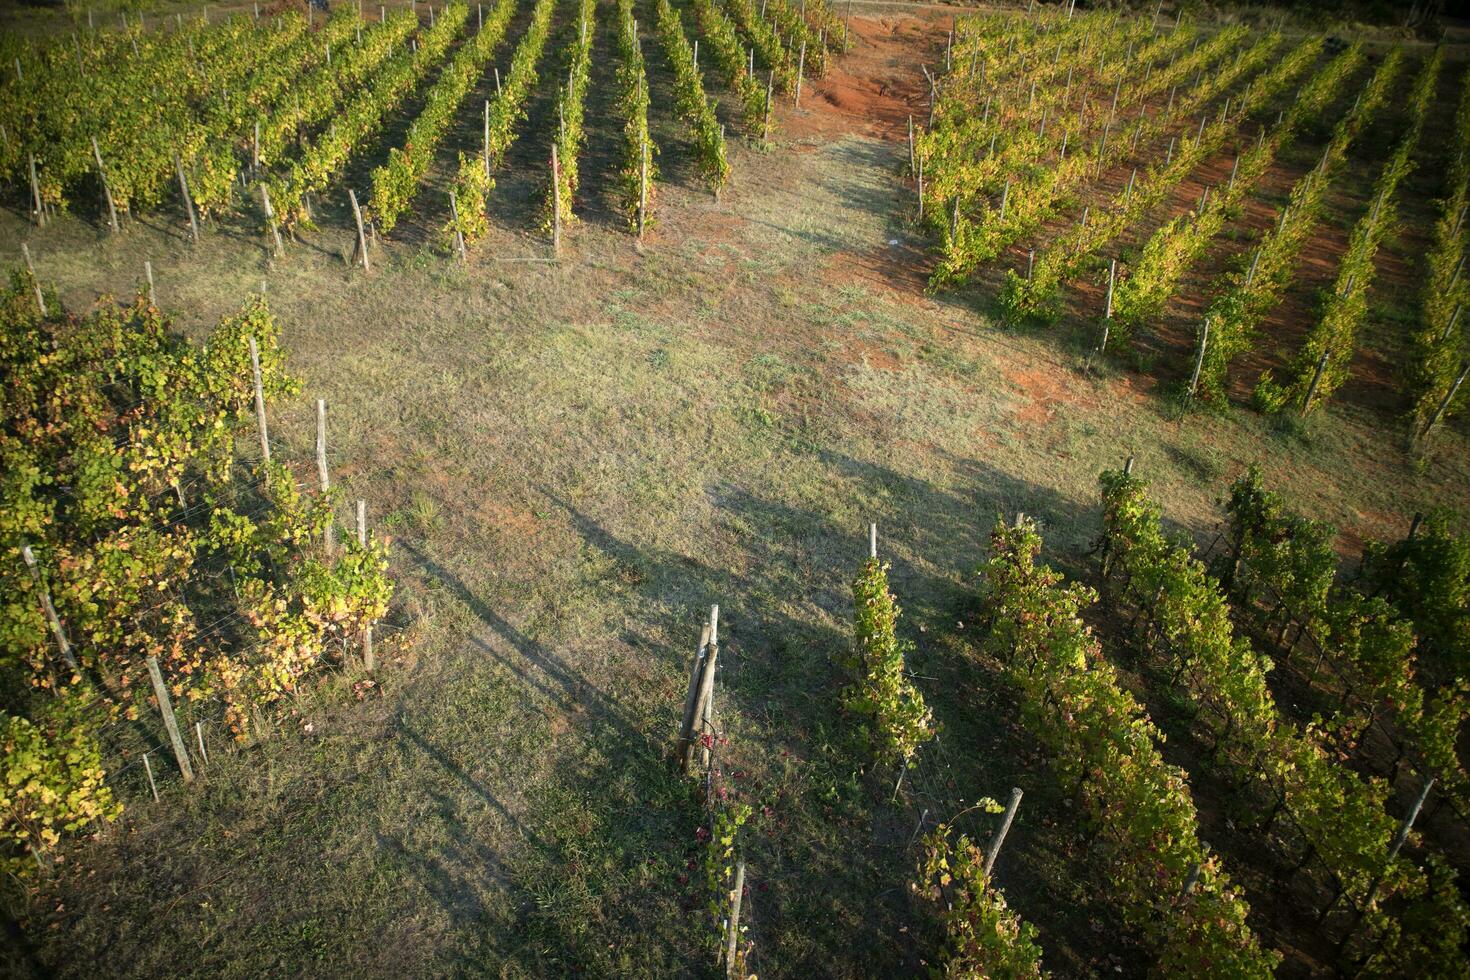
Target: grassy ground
575, 460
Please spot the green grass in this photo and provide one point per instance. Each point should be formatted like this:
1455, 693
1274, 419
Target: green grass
574, 461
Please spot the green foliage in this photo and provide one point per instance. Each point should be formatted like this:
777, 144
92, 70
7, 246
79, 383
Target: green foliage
1246, 295
1175, 247
896, 720
509, 105
973, 160
52, 781
1066, 257
638, 148
110, 418
1439, 343
572, 103
1427, 577
322, 91
723, 41
771, 53
985, 938
1339, 813
1100, 739
396, 182
690, 101
1334, 336
364, 115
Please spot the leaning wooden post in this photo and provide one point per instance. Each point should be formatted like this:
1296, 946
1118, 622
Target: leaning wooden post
1449, 396
148, 274
733, 938
691, 701
1108, 312
1190, 881
800, 70
458, 233
361, 236
321, 466
106, 188
265, 441
367, 632
873, 540
1199, 361
61, 641
1398, 842
707, 679
36, 195
270, 217
166, 708
148, 768
1316, 380
993, 851
25, 250
188, 199
555, 202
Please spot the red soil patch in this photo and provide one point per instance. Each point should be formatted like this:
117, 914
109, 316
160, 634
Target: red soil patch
873, 88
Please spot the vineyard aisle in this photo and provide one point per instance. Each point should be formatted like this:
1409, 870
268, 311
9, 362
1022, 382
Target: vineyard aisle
573, 461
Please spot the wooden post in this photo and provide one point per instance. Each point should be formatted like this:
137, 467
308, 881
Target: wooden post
61, 641
188, 200
1005, 198
458, 233
1030, 262
1398, 841
1449, 396
555, 202
1316, 379
919, 187
486, 150
733, 939
873, 540
148, 274
1199, 361
106, 188
270, 217
1190, 881
642, 182
148, 768
25, 250
40, 207
265, 442
361, 236
1108, 310
1251, 274
707, 679
770, 91
993, 851
166, 708
1450, 326
321, 466
367, 633
691, 701
800, 71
